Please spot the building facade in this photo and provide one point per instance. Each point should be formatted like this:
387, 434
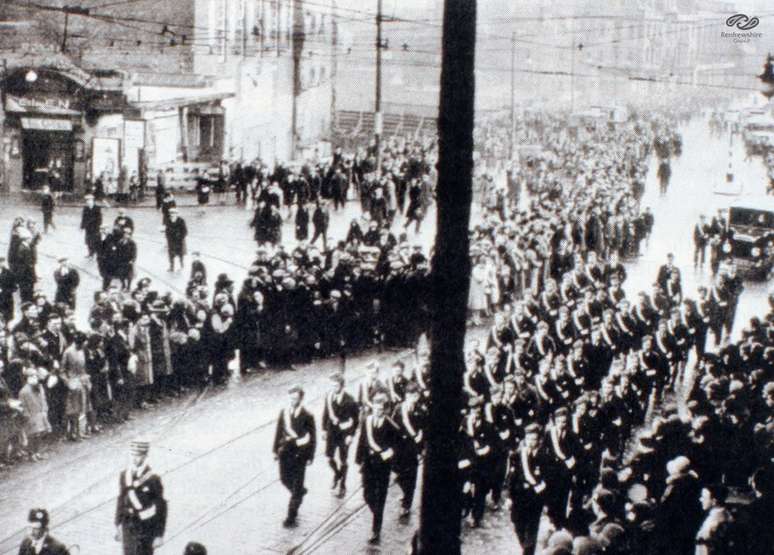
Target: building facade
160, 84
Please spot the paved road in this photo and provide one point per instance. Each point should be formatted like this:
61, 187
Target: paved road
213, 450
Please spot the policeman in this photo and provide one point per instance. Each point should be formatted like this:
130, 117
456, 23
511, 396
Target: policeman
38, 542
141, 510
410, 417
375, 454
339, 424
294, 445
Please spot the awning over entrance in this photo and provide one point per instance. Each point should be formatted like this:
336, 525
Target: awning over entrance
178, 102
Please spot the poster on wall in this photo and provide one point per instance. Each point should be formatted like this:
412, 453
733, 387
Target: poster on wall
105, 157
134, 140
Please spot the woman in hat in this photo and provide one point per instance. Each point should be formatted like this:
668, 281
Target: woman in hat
202, 192
73, 373
35, 410
139, 344
101, 391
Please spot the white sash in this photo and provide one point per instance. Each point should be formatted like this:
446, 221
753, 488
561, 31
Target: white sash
488, 413
525, 468
331, 415
540, 347
407, 420
386, 454
393, 394
621, 323
489, 375
555, 443
291, 433
606, 335
540, 388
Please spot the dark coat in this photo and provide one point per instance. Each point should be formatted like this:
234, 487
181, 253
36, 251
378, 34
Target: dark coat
66, 285
140, 505
176, 233
50, 547
680, 515
305, 442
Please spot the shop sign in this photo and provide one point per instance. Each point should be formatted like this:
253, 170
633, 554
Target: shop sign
42, 124
43, 105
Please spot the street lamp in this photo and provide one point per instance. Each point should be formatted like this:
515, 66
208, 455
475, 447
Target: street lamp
767, 78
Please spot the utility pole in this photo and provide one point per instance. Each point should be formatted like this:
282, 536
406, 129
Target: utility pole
64, 36
74, 10
513, 94
378, 100
572, 69
439, 530
334, 63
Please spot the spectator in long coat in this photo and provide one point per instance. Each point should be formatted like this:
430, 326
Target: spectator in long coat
99, 378
302, 223
161, 356
140, 345
251, 332
176, 232
25, 274
91, 221
680, 514
7, 287
73, 373
35, 409
67, 281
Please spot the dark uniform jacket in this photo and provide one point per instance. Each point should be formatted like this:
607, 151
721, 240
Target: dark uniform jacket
66, 284
376, 444
527, 475
295, 434
141, 505
50, 547
410, 422
340, 416
176, 233
91, 219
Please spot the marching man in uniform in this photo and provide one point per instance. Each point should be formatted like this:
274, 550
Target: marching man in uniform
527, 489
339, 424
294, 445
375, 453
39, 542
141, 510
410, 418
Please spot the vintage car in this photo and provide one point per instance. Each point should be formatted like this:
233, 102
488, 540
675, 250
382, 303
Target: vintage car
751, 235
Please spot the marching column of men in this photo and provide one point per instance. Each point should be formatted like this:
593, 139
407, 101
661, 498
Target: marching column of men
558, 385
389, 436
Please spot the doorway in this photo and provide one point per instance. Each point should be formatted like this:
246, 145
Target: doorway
47, 160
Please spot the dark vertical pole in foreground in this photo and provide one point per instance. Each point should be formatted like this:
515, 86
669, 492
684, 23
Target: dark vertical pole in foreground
439, 531
378, 93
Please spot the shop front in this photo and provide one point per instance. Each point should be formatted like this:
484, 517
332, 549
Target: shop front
43, 129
